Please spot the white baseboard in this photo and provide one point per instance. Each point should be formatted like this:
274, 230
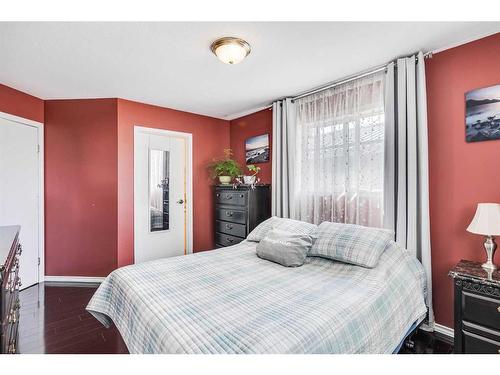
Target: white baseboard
446, 331
74, 279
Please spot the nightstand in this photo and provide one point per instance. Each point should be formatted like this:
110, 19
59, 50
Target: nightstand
477, 308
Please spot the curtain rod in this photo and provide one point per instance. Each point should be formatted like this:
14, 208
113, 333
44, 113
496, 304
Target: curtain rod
354, 77
341, 81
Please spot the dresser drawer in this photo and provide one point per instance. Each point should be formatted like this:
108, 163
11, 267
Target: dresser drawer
236, 198
233, 229
226, 239
234, 216
10, 290
481, 309
10, 329
475, 344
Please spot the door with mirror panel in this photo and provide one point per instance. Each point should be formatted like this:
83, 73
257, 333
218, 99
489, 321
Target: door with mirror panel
161, 221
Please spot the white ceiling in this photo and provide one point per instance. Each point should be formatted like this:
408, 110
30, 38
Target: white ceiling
170, 64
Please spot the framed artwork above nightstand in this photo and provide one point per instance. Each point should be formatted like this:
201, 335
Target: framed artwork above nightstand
477, 308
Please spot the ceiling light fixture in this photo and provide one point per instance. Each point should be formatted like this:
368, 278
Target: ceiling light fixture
230, 50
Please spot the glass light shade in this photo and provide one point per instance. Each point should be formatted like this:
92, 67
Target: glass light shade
486, 221
230, 50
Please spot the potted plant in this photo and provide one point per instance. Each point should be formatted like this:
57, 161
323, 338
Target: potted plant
225, 168
254, 170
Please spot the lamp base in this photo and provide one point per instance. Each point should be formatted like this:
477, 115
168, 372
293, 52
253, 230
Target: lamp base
490, 246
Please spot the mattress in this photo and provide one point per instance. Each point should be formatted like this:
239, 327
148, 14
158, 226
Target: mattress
231, 301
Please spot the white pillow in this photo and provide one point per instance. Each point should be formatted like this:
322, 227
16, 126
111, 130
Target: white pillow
286, 225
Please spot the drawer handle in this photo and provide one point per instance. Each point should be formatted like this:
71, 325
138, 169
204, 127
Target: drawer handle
229, 196
229, 240
15, 265
229, 226
242, 196
229, 213
16, 286
12, 317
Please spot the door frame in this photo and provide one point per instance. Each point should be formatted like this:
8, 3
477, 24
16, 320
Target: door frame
189, 178
41, 192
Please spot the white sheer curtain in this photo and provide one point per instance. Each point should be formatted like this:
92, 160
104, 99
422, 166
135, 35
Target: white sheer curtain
340, 154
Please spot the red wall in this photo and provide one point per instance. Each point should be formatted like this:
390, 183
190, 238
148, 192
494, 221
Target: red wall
80, 187
461, 174
249, 126
20, 104
210, 137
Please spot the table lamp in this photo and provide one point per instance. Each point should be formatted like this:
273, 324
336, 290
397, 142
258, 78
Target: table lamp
486, 221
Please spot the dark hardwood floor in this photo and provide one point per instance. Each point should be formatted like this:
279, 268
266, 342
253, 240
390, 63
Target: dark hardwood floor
54, 320
428, 343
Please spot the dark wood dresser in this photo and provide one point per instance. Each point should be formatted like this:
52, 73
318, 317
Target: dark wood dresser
477, 308
10, 249
238, 211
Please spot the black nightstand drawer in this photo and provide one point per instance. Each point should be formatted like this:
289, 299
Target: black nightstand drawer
237, 198
475, 344
481, 309
233, 229
477, 308
234, 216
226, 239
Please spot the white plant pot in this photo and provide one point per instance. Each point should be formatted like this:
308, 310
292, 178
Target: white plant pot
225, 180
249, 180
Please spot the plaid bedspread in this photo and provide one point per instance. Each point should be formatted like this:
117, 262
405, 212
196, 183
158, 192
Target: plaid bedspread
231, 301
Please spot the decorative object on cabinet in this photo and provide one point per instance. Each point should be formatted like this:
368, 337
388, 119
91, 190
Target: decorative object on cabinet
257, 149
252, 179
486, 221
225, 168
238, 210
10, 250
482, 118
477, 308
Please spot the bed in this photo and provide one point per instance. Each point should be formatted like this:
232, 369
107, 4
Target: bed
231, 301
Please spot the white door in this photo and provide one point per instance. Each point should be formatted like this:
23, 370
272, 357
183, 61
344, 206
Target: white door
161, 194
19, 190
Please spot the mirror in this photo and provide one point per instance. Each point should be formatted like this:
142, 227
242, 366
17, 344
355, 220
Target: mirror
159, 169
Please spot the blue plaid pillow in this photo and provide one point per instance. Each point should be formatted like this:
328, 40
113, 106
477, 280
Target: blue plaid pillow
351, 243
286, 225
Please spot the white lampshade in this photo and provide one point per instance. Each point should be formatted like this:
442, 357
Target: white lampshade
230, 50
486, 220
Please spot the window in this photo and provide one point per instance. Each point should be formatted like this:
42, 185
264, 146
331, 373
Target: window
340, 143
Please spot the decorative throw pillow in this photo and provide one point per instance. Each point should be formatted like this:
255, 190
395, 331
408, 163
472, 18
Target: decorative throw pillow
349, 243
286, 225
287, 249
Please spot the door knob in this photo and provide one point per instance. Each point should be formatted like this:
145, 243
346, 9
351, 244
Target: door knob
180, 201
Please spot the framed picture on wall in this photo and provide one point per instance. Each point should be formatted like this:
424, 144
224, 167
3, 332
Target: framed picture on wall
482, 114
257, 149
